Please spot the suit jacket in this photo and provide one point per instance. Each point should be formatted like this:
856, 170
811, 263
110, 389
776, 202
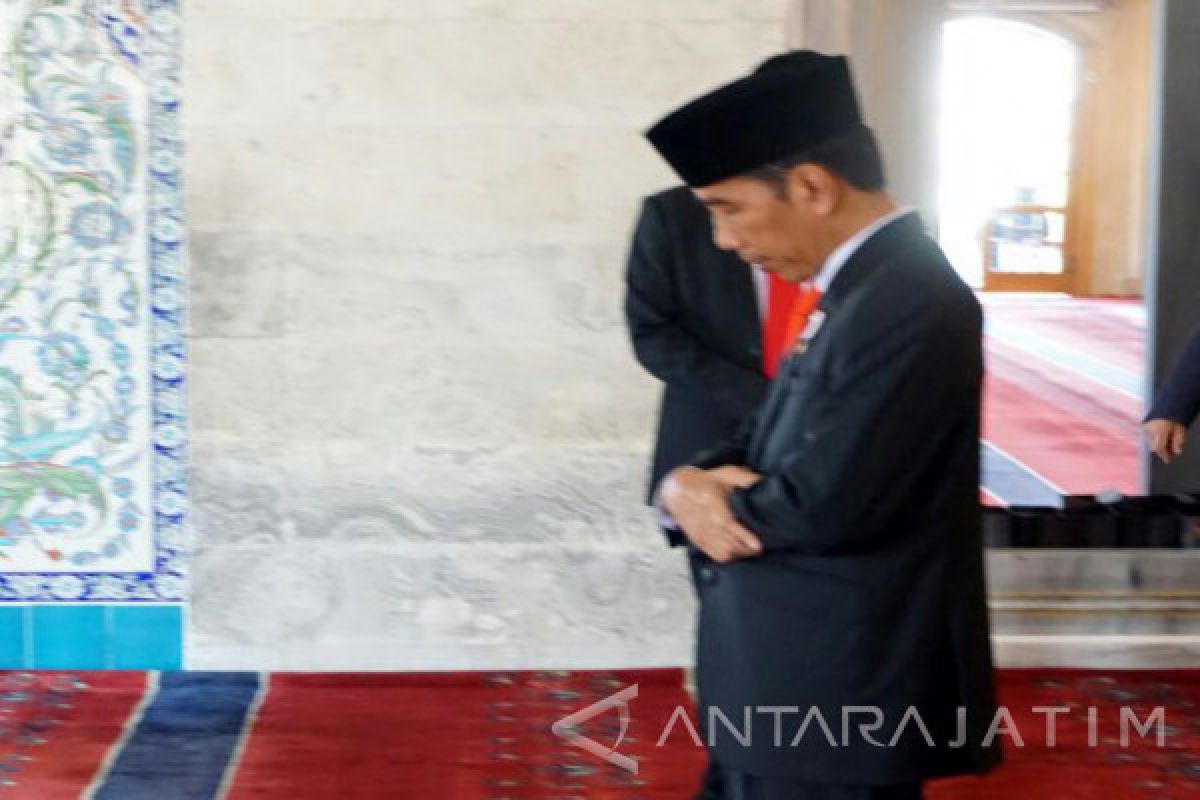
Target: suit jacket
870, 588
694, 324
1179, 397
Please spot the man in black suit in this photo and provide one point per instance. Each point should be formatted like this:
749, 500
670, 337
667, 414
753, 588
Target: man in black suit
700, 320
1175, 405
842, 592
694, 314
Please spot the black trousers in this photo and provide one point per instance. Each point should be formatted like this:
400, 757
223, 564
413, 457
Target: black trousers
741, 786
712, 786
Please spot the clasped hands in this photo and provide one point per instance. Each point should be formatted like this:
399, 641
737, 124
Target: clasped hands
698, 499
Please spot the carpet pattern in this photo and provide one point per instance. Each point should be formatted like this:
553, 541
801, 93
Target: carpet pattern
488, 736
1062, 397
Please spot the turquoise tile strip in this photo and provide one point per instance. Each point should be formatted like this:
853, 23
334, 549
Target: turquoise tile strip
147, 637
12, 637
69, 637
53, 636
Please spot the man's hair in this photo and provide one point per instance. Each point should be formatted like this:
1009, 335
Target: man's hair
853, 156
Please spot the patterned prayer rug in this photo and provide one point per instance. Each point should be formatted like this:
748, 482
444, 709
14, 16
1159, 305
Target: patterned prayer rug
488, 736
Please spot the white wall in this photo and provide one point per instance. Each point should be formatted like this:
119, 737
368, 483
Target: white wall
419, 435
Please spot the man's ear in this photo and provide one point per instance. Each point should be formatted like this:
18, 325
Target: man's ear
816, 187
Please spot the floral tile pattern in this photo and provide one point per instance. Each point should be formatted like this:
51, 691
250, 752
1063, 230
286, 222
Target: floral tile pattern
92, 301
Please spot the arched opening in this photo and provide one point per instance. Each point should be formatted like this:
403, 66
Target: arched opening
1008, 100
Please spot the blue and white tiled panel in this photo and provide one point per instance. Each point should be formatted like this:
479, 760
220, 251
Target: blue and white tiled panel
59, 636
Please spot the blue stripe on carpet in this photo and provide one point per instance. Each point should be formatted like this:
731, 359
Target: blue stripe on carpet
1012, 482
185, 739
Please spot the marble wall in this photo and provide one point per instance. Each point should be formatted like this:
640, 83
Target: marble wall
419, 435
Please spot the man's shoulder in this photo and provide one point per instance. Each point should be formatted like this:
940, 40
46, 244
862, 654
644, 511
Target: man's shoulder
677, 214
920, 261
918, 279
674, 194
676, 203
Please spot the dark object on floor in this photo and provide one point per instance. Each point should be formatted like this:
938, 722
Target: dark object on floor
1167, 521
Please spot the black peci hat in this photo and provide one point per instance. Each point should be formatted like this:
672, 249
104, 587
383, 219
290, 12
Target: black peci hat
791, 103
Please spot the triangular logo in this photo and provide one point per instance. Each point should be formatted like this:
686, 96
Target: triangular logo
568, 728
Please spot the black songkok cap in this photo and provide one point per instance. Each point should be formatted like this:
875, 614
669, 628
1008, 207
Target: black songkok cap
791, 103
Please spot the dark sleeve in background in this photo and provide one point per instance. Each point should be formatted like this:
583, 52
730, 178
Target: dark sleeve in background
732, 451
660, 343
1178, 399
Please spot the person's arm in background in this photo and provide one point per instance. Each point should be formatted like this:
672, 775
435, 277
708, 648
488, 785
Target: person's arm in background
660, 343
1175, 405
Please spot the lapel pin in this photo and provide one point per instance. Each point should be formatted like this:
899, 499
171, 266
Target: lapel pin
815, 320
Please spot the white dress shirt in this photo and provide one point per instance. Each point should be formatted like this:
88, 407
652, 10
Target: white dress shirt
762, 292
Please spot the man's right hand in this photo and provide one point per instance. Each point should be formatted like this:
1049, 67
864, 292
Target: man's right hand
735, 477
699, 501
1165, 438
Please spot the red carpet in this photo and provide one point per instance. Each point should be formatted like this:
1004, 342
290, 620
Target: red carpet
464, 735
1108, 328
1072, 770
55, 728
480, 736
1062, 397
1082, 439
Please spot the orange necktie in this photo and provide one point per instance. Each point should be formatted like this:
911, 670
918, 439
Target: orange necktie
806, 302
781, 300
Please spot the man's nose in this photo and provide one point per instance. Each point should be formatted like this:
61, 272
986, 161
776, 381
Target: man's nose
723, 238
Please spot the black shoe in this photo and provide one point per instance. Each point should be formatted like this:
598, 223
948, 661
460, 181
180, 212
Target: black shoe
713, 787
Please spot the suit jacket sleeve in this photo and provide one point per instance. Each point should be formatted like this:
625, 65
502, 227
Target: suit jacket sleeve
732, 451
875, 431
1179, 398
660, 343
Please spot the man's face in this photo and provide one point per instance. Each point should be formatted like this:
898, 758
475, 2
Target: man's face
777, 230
